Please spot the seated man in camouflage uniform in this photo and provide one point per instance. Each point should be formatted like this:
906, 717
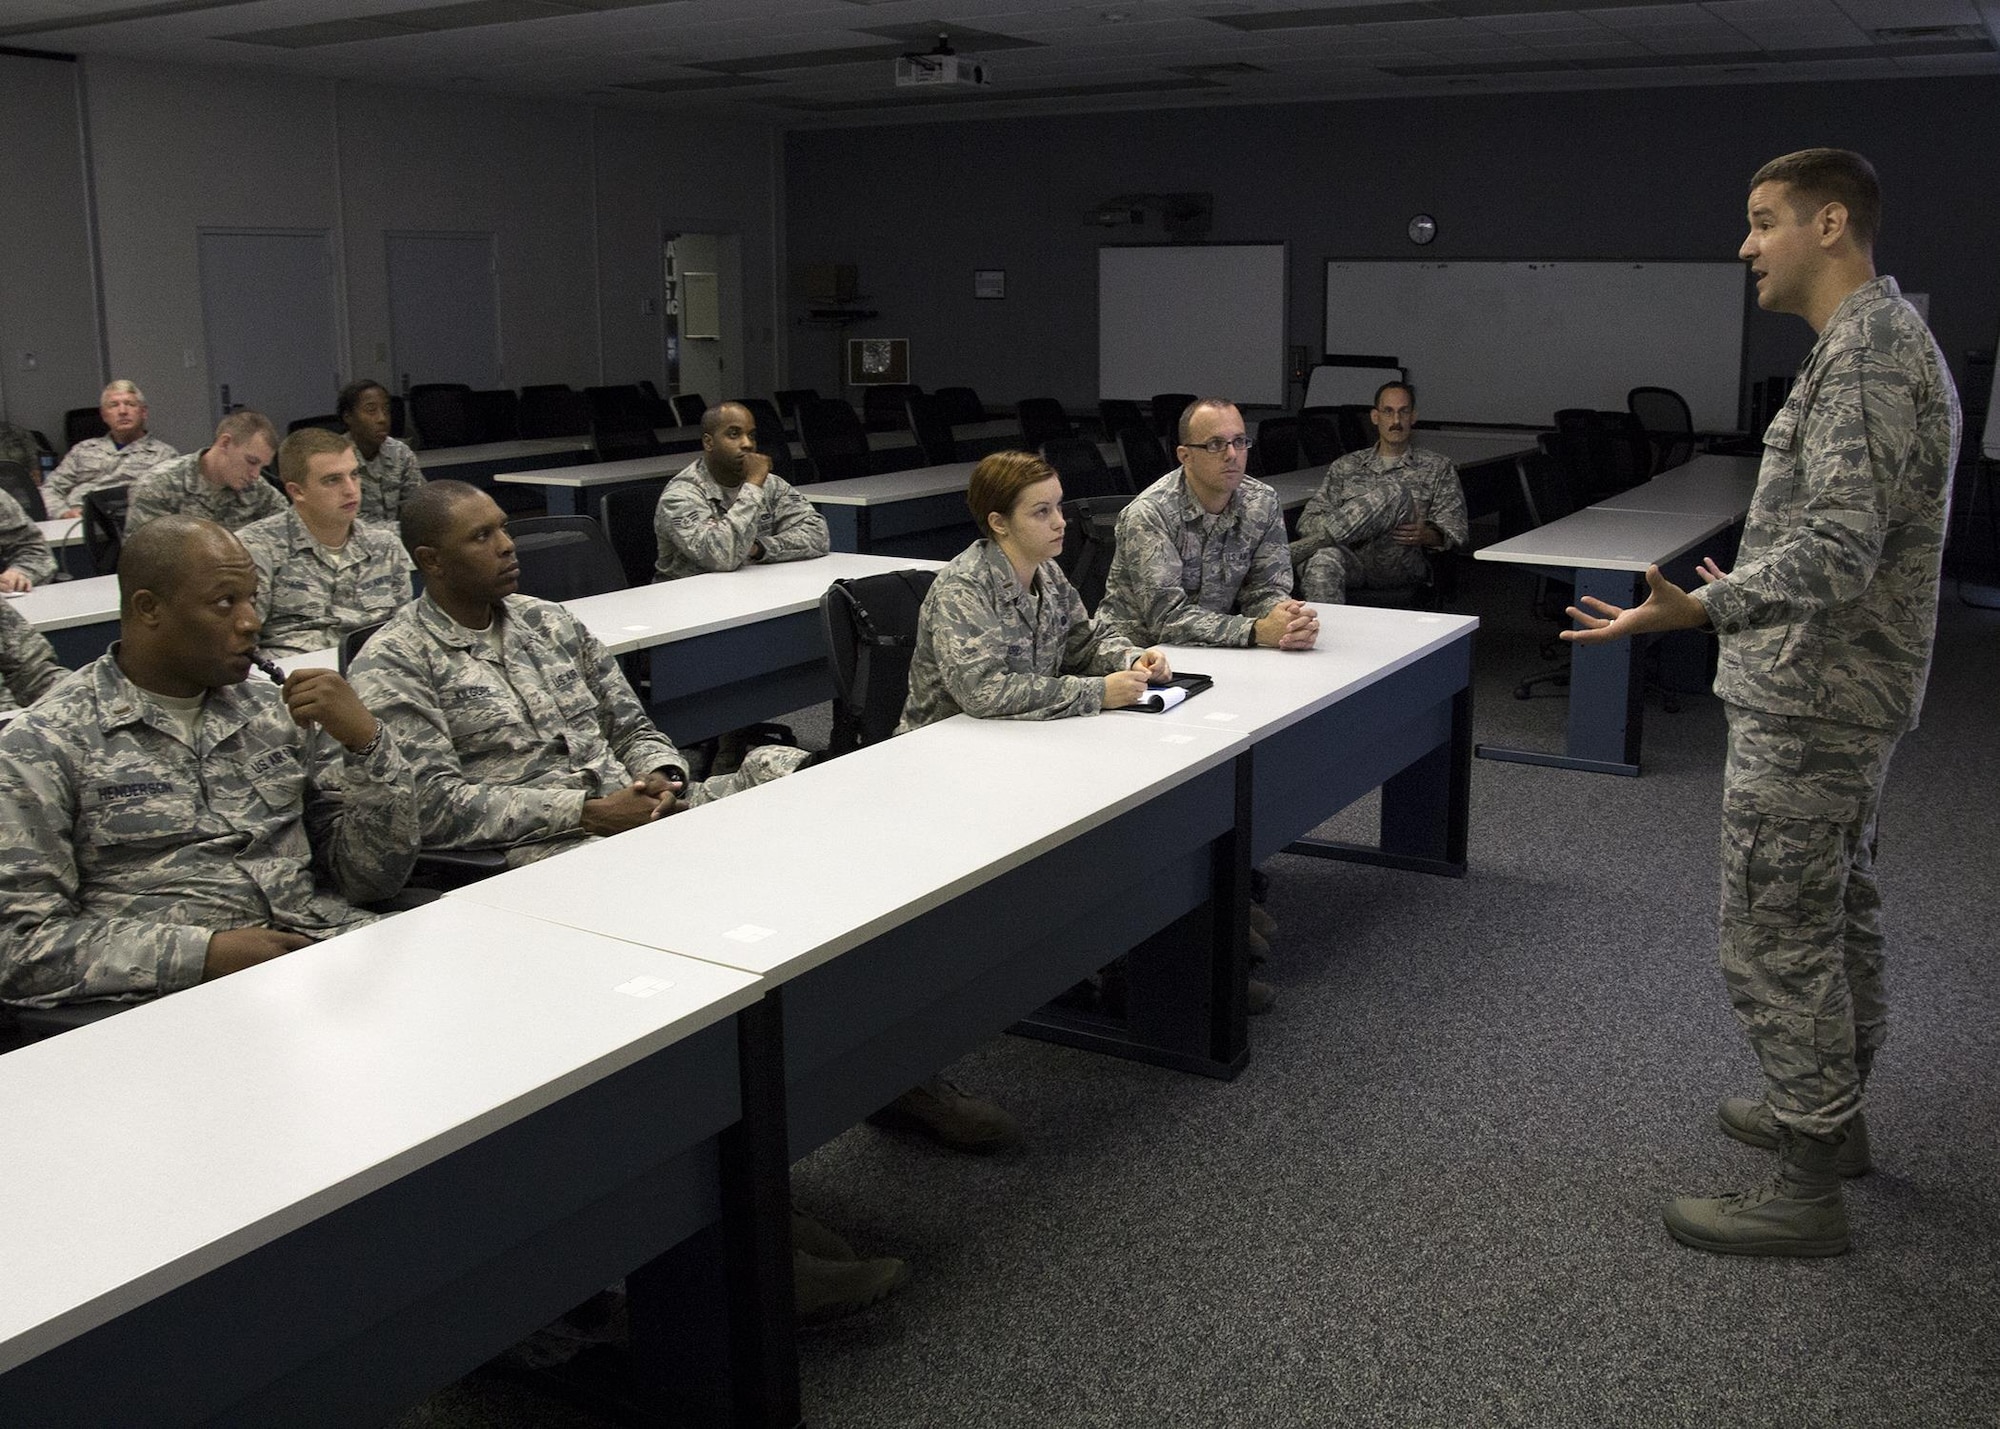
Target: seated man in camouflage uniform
167, 820
1380, 509
223, 482
17, 444
389, 471
726, 509
28, 665
118, 458
25, 558
321, 572
524, 733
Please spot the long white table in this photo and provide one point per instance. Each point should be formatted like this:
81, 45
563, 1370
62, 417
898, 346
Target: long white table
484, 460
921, 511
79, 617
1706, 485
319, 1189
65, 537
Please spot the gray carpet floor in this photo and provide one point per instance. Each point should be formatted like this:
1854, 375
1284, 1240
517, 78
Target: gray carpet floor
1433, 1196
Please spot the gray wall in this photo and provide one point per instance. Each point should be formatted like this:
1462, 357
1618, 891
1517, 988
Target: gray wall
1653, 173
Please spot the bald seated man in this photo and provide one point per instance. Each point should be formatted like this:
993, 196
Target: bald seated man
223, 482
727, 509
166, 818
523, 732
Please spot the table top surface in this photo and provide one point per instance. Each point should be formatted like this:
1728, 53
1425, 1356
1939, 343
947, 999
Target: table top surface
62, 531
501, 451
60, 605
1606, 540
892, 486
659, 614
1707, 485
213, 1121
603, 473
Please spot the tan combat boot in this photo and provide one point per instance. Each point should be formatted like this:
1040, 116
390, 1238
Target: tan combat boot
1797, 1212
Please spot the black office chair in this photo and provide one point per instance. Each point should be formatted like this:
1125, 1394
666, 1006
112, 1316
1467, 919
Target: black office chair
882, 405
104, 527
1603, 453
623, 442
80, 424
871, 635
1319, 439
1277, 449
1043, 418
495, 415
1082, 469
790, 399
1115, 414
329, 423
961, 405
420, 389
351, 642
16, 481
833, 438
688, 407
773, 439
1145, 463
1090, 540
1166, 409
553, 411
36, 1024
443, 415
1668, 423
626, 515
932, 431
565, 557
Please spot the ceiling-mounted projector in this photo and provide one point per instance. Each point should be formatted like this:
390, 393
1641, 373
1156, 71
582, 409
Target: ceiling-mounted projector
942, 65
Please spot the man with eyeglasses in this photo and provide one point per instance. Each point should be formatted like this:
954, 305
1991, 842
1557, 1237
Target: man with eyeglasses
1380, 509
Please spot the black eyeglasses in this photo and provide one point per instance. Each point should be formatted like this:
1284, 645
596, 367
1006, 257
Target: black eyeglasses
1216, 446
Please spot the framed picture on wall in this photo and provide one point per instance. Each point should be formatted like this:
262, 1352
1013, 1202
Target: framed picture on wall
989, 282
872, 361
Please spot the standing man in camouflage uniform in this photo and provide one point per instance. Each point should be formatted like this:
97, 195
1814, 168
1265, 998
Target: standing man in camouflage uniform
223, 482
117, 459
321, 572
1201, 557
727, 509
524, 733
25, 558
162, 818
1826, 626
28, 665
389, 471
1379, 510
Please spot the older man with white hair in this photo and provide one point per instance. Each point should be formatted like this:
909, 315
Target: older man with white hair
124, 454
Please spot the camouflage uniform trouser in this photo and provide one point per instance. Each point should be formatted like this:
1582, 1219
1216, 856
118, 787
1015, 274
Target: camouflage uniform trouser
1363, 555
1802, 937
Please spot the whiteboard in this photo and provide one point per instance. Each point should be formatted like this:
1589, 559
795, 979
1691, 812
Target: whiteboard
1207, 318
1512, 342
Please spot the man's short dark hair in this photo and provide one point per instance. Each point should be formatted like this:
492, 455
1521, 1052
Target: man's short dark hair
1392, 386
712, 421
1818, 177
157, 557
351, 395
426, 513
1186, 423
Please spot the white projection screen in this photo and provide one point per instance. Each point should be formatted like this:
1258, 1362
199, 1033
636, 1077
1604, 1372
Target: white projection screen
1207, 318
1513, 342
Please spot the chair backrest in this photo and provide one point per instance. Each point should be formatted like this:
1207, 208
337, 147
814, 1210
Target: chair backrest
773, 439
565, 557
882, 405
1043, 418
418, 389
1118, 413
688, 407
444, 416
17, 483
1319, 439
104, 527
626, 514
1145, 463
790, 399
329, 422
871, 636
623, 441
496, 415
1602, 453
1081, 467
1668, 423
1546, 489
1356, 431
1166, 409
833, 439
1277, 448
933, 432
622, 405
80, 424
553, 411
961, 405
1090, 540
351, 642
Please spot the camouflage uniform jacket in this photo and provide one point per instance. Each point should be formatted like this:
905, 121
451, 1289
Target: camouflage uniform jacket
392, 478
507, 749
18, 444
179, 488
1182, 576
310, 596
97, 461
22, 544
1427, 476
28, 665
124, 848
700, 527
1832, 606
994, 651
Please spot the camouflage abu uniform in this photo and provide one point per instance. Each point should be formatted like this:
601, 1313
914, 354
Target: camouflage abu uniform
701, 527
1344, 531
98, 461
989, 649
1826, 626
509, 742
28, 665
23, 547
179, 487
18, 444
389, 480
1181, 576
310, 595
124, 849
